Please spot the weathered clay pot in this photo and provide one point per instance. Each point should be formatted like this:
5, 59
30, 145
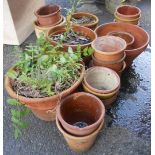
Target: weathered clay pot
43, 29
114, 65
89, 25
48, 15
109, 48
76, 143
80, 113
101, 80
43, 108
124, 35
84, 30
140, 35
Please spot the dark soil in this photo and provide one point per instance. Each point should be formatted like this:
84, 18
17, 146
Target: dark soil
83, 20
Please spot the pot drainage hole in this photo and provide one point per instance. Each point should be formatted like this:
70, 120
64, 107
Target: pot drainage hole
80, 124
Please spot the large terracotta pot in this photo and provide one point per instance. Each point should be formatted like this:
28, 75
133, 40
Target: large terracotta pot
48, 15
109, 48
80, 29
86, 14
81, 113
43, 108
76, 143
140, 35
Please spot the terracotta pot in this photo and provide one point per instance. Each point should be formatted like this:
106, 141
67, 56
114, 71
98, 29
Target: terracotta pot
42, 106
124, 35
108, 48
76, 143
81, 113
48, 15
89, 25
114, 65
43, 29
140, 35
60, 29
101, 80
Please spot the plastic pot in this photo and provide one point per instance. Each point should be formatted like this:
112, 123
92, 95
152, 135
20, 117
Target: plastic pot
109, 48
81, 113
76, 143
48, 15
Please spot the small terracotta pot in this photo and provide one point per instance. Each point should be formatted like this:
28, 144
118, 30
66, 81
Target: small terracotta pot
140, 35
109, 48
114, 65
48, 15
81, 109
124, 35
76, 143
81, 29
89, 25
101, 80
43, 29
43, 106
123, 68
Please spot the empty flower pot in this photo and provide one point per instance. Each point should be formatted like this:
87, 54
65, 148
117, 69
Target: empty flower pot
48, 15
140, 35
124, 35
91, 25
101, 80
76, 143
114, 65
81, 113
109, 48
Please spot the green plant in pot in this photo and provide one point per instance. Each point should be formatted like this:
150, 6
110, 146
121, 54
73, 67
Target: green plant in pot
40, 79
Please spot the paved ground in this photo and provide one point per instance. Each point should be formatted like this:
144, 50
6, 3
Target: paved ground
127, 130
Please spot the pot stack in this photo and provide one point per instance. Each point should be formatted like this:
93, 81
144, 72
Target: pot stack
80, 117
48, 16
109, 52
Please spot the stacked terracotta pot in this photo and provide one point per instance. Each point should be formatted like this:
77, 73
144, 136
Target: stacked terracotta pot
80, 117
109, 52
127, 14
102, 82
48, 16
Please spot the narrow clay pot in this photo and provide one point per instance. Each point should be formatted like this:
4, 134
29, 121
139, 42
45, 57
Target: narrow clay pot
48, 15
114, 65
124, 35
83, 109
101, 80
140, 35
43, 29
89, 25
84, 30
76, 143
109, 48
43, 107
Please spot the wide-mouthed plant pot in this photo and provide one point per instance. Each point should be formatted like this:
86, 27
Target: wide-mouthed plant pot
80, 113
91, 25
109, 48
48, 15
101, 80
124, 35
114, 65
43, 29
76, 143
43, 108
140, 35
80, 29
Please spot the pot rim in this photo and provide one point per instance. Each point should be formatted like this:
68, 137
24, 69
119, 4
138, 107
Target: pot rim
88, 15
62, 130
63, 28
58, 112
97, 90
130, 6
109, 53
117, 23
51, 14
123, 68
